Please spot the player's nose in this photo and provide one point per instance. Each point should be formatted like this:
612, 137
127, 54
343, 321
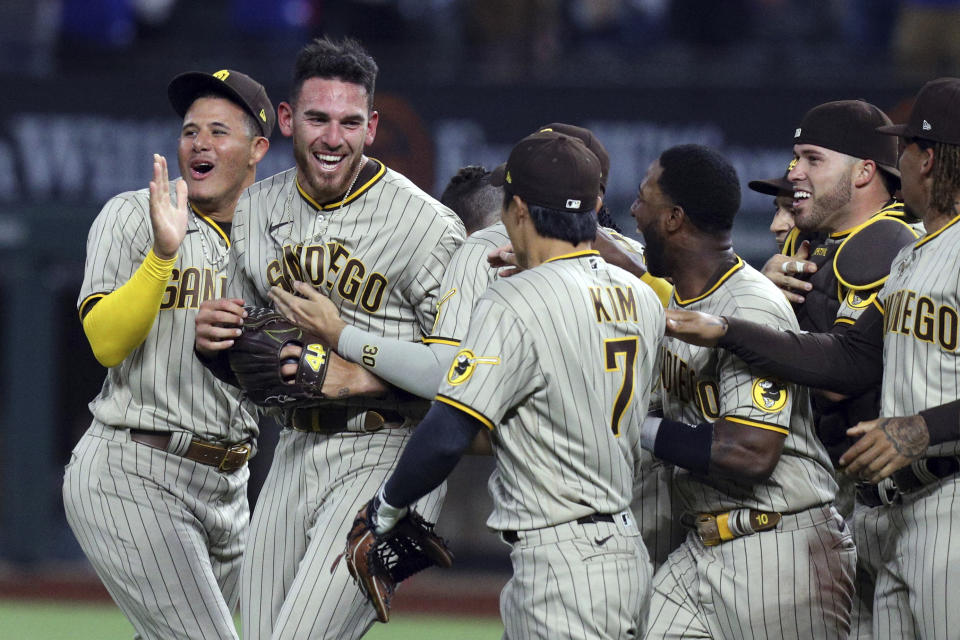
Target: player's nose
201, 141
332, 136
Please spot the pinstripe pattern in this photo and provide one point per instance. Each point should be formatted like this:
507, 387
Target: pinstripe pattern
869, 526
380, 259
467, 277
744, 592
158, 387
803, 477
917, 592
164, 534
566, 586
547, 375
541, 326
792, 582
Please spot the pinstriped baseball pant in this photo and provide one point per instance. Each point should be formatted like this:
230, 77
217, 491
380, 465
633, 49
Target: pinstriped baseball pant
795, 581
164, 534
577, 581
918, 586
315, 487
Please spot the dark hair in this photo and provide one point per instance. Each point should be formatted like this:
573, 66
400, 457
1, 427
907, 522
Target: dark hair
605, 219
570, 226
253, 129
345, 60
890, 182
946, 174
703, 183
470, 195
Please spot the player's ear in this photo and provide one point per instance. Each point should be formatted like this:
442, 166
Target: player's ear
258, 148
864, 172
285, 119
371, 128
927, 161
674, 217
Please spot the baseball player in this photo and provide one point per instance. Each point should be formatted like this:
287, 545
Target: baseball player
156, 489
767, 554
420, 369
843, 177
470, 195
906, 340
782, 191
557, 365
348, 226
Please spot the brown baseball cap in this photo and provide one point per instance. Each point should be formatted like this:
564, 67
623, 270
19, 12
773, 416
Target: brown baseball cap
775, 186
850, 127
586, 137
549, 169
935, 115
236, 86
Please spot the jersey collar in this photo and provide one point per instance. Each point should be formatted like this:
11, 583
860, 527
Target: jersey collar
927, 238
575, 254
736, 267
210, 221
372, 172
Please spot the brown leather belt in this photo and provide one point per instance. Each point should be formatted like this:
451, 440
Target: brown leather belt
226, 459
334, 419
714, 529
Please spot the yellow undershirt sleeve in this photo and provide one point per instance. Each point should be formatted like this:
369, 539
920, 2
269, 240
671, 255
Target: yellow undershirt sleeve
661, 287
121, 320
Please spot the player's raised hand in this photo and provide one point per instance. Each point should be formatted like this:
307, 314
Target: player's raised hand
169, 219
218, 324
781, 269
695, 327
311, 311
504, 259
885, 445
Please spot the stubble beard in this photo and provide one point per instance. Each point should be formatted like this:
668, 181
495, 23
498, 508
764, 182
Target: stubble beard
825, 206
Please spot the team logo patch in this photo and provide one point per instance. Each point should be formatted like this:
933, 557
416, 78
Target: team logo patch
792, 164
464, 364
854, 301
769, 395
222, 75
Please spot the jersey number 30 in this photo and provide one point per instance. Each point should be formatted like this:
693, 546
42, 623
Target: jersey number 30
626, 347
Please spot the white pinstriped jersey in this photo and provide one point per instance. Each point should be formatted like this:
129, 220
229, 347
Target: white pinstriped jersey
703, 384
469, 274
921, 305
379, 257
161, 385
557, 361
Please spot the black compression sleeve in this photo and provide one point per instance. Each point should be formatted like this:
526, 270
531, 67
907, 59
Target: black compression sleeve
431, 454
685, 445
850, 363
943, 422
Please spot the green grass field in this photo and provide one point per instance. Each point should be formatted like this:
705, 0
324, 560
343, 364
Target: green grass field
24, 620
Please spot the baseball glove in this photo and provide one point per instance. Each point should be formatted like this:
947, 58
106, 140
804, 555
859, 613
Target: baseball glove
378, 563
255, 360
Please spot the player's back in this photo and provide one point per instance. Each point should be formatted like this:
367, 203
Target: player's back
591, 331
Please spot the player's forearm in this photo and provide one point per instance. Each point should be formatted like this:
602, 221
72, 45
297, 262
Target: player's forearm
120, 321
435, 448
411, 366
719, 449
943, 422
850, 363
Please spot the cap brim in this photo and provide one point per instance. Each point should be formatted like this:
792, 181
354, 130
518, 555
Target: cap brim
893, 129
498, 177
771, 187
184, 89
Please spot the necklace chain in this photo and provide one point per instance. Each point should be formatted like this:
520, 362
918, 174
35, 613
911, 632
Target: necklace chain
213, 261
343, 201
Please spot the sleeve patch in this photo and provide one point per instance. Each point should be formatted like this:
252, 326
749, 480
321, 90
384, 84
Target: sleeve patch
465, 363
769, 395
858, 299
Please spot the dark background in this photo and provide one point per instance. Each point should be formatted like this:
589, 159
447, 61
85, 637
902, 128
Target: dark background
83, 108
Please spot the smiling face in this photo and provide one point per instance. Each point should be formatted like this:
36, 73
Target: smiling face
823, 187
647, 210
330, 124
217, 154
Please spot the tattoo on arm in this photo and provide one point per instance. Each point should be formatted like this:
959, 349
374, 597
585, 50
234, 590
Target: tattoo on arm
908, 435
